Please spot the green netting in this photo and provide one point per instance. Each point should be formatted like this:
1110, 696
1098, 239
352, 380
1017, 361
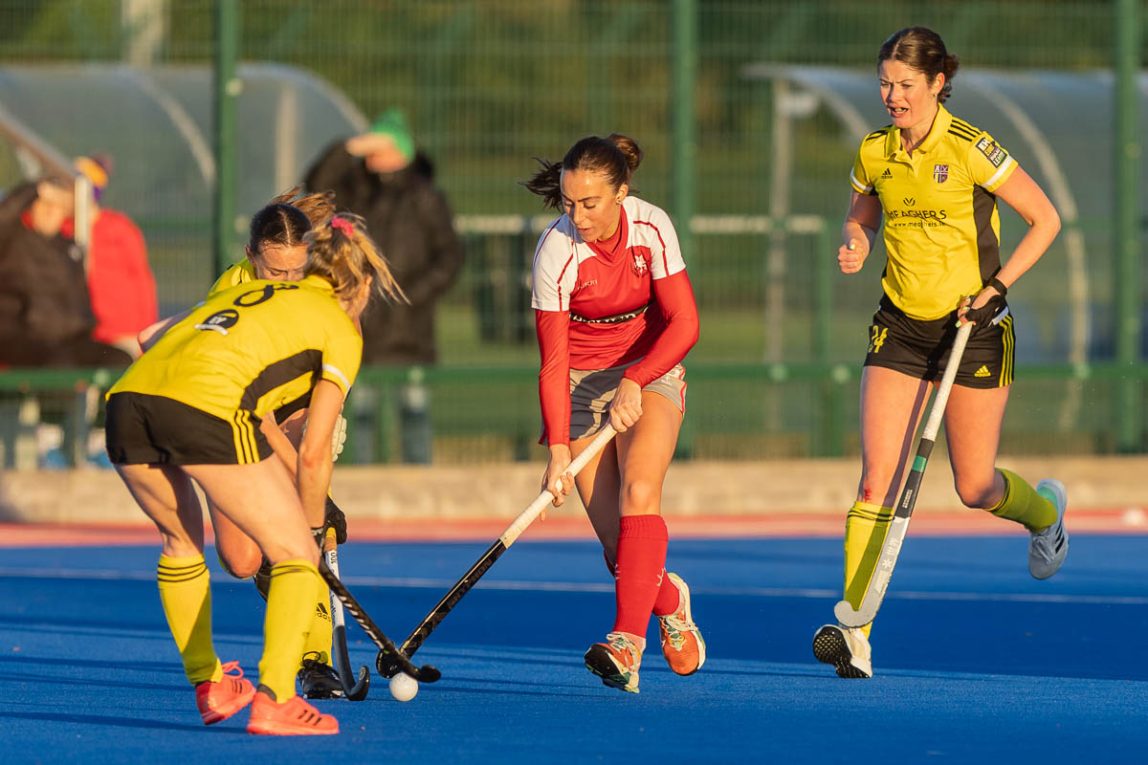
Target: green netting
490, 84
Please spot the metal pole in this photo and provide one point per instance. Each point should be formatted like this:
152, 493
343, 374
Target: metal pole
684, 54
1127, 160
227, 89
684, 63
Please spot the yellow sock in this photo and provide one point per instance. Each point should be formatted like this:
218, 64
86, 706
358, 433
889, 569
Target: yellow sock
319, 638
866, 526
1022, 504
185, 591
289, 604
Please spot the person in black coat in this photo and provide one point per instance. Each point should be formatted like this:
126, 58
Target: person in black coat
380, 176
46, 317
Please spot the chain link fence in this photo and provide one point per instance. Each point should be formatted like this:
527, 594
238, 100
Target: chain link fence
489, 85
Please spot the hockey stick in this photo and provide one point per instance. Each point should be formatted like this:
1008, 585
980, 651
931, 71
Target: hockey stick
424, 674
891, 548
353, 689
390, 663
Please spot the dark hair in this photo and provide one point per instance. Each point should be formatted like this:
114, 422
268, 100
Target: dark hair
278, 223
922, 49
616, 156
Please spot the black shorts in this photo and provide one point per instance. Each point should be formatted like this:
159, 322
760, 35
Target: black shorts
921, 348
155, 430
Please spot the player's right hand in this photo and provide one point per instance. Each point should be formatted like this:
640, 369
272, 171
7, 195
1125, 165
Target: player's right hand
851, 255
557, 479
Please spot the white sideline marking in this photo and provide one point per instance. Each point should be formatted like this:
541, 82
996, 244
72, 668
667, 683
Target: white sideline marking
523, 586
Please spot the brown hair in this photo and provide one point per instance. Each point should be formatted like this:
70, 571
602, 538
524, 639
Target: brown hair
318, 207
922, 49
341, 252
616, 156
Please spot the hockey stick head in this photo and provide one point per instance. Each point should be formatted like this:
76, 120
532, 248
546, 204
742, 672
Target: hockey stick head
362, 686
388, 664
851, 617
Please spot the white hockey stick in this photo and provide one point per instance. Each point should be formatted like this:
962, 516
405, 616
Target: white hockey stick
891, 549
387, 664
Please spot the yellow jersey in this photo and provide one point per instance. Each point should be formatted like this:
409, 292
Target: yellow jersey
240, 273
252, 348
941, 225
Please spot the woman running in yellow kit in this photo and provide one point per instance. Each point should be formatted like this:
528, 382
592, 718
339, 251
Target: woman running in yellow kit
934, 179
190, 409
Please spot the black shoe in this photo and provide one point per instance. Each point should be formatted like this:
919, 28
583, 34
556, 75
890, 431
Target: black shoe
320, 681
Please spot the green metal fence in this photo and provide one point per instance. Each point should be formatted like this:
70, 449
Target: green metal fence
491, 84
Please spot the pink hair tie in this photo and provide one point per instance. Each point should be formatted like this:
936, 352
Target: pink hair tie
343, 225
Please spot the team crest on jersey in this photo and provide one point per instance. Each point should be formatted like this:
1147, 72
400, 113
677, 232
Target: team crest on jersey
940, 173
640, 266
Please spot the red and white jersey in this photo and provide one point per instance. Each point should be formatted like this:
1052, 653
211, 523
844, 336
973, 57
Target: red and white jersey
603, 304
590, 282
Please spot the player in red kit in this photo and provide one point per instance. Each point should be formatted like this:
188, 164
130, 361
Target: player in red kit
615, 316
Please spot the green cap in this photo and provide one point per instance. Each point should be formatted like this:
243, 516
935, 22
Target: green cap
392, 123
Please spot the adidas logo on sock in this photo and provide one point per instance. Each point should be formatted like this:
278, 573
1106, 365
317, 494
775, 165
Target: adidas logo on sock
982, 372
887, 174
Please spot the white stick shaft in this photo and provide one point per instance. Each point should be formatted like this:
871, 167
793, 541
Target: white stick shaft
528, 516
937, 413
337, 617
891, 547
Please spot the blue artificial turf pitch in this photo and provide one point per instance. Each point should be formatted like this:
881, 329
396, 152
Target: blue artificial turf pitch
975, 661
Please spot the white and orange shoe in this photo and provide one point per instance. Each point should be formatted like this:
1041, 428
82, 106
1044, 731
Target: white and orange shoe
294, 717
616, 661
682, 642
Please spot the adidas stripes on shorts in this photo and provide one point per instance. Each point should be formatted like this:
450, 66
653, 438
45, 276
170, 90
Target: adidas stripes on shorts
921, 348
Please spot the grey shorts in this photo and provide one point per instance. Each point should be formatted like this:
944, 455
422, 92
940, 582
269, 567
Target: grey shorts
591, 392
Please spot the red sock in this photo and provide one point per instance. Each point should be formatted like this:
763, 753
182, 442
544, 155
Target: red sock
668, 597
640, 571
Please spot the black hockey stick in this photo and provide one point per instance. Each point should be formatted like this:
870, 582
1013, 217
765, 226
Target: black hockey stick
355, 689
891, 548
424, 674
391, 661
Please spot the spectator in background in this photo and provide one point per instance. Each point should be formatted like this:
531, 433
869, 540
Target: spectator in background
120, 280
380, 176
46, 315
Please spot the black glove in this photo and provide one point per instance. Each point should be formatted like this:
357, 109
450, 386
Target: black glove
988, 312
336, 520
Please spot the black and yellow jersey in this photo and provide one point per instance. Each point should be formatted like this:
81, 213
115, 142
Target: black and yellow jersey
240, 273
253, 348
942, 228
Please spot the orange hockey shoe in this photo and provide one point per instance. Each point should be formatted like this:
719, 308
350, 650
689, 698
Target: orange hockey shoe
219, 700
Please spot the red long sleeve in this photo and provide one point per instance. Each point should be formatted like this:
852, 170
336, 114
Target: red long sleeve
674, 296
553, 330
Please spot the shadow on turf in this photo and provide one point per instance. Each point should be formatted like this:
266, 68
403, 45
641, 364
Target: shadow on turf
118, 722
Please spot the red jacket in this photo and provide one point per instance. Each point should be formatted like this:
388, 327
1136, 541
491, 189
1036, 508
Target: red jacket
120, 280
